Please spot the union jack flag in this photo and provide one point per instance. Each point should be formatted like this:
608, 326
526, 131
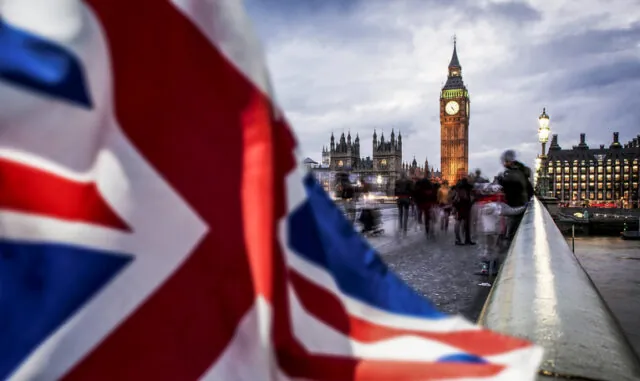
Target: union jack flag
155, 225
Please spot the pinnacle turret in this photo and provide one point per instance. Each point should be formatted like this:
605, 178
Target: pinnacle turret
454, 79
455, 63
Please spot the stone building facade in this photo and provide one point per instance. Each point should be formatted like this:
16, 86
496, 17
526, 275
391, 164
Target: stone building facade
381, 169
600, 175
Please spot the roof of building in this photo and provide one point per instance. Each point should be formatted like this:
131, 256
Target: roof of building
454, 81
454, 58
583, 152
309, 161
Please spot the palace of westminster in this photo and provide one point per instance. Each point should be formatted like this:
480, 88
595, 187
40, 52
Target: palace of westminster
381, 170
581, 173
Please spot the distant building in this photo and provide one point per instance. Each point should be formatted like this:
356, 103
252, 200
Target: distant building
416, 172
603, 174
309, 163
381, 170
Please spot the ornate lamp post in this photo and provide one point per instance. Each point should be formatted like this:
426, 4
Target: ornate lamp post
543, 137
379, 182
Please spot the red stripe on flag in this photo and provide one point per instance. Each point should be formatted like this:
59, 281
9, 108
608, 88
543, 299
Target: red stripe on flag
257, 193
327, 308
187, 110
332, 368
31, 190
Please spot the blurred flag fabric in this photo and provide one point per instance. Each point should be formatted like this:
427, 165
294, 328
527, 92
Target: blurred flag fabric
155, 223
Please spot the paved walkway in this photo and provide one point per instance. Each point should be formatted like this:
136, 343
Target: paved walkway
436, 268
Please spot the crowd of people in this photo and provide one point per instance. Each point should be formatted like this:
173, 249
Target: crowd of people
488, 211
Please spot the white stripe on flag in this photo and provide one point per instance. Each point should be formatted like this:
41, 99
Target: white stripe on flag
248, 355
226, 25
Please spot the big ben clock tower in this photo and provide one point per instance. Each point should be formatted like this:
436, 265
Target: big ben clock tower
454, 124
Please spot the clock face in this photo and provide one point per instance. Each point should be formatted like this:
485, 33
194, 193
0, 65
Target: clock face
452, 107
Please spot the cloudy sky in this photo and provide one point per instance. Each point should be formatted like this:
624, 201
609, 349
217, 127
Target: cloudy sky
340, 65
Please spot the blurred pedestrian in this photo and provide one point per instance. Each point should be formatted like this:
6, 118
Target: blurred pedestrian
426, 197
489, 201
462, 204
345, 191
516, 184
444, 201
403, 190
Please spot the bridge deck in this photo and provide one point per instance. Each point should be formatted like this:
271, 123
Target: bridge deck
436, 268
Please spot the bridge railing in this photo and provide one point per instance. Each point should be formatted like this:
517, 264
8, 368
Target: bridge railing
544, 295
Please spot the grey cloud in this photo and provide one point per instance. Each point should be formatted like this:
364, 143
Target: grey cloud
294, 9
597, 77
515, 12
569, 51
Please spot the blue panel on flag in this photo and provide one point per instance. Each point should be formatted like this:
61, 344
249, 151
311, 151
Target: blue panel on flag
39, 65
41, 285
463, 357
320, 233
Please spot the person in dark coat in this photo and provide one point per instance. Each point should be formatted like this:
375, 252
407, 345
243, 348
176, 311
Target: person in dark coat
517, 188
425, 196
462, 202
403, 191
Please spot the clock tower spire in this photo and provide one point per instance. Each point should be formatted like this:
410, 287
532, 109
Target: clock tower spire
454, 122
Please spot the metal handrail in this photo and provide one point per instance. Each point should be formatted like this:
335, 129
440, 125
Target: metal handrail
544, 295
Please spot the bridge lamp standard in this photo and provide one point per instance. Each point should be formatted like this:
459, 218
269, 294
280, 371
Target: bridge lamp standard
543, 138
379, 182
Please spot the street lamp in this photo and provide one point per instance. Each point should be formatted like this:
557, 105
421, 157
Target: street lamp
379, 182
543, 138
543, 130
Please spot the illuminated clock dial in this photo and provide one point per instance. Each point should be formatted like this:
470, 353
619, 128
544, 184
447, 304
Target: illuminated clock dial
452, 107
